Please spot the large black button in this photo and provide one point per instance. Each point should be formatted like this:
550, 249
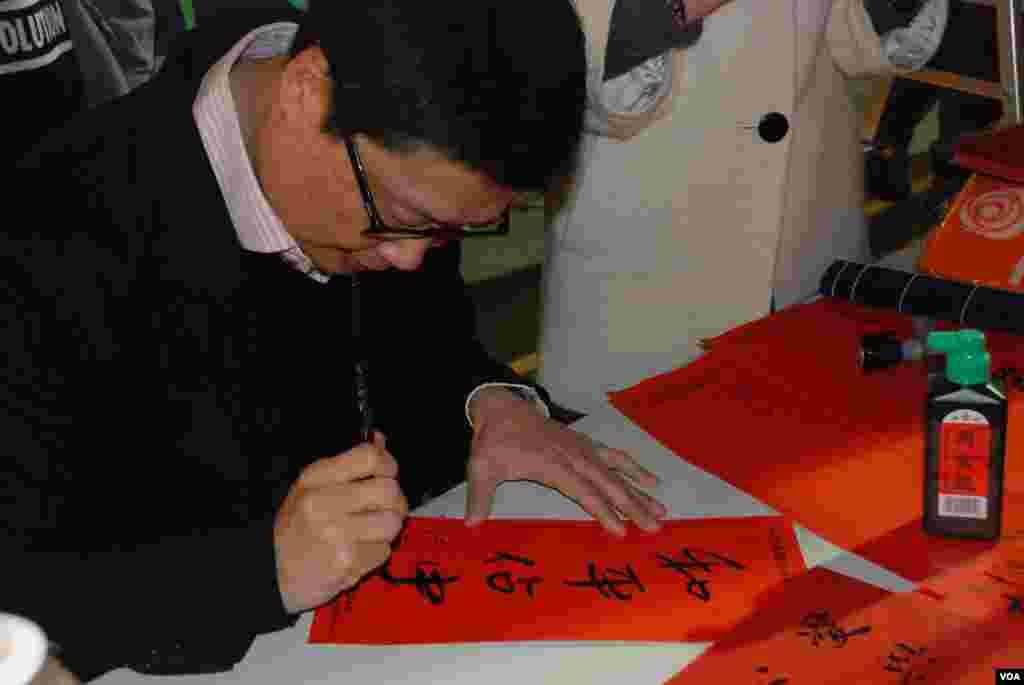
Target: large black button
773, 127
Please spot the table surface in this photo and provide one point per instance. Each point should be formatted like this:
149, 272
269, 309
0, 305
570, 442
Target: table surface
687, 491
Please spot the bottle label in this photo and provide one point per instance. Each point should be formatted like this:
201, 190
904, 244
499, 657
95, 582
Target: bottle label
965, 449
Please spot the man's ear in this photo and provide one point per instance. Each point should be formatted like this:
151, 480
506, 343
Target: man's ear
305, 87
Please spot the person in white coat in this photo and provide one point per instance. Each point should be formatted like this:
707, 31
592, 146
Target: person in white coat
718, 179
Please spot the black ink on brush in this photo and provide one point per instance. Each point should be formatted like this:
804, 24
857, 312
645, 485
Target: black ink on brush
362, 388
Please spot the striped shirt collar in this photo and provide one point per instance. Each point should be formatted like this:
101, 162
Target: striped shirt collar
258, 226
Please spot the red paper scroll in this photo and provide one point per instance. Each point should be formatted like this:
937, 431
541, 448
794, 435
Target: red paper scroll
828, 629
990, 587
780, 409
564, 580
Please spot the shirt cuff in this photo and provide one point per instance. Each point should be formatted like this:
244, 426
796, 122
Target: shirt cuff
524, 391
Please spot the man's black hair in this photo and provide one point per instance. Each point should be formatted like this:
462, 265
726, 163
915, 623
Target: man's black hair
498, 85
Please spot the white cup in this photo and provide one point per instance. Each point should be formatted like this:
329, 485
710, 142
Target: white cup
23, 649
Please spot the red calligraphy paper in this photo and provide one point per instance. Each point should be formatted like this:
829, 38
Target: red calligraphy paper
517, 580
781, 409
825, 628
989, 587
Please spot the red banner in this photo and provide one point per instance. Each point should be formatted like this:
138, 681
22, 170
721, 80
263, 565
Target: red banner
516, 580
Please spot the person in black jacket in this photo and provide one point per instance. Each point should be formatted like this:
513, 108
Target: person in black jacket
41, 85
961, 52
887, 166
224, 272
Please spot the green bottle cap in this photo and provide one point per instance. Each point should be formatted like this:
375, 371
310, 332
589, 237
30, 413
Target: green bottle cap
967, 361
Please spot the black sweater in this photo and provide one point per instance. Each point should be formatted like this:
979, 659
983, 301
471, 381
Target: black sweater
162, 388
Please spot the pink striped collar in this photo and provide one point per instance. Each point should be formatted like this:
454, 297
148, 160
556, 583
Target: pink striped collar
259, 227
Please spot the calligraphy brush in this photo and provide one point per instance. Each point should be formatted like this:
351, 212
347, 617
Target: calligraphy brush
361, 385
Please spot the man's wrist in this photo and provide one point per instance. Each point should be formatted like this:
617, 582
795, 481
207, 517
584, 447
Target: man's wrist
518, 392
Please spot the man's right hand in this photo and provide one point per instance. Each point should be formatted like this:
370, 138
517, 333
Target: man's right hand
337, 524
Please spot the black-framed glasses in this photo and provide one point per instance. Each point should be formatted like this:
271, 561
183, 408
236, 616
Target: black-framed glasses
379, 229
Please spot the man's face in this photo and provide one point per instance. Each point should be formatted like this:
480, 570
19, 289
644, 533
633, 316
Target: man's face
310, 182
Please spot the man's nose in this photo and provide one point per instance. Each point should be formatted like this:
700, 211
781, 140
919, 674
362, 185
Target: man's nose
405, 255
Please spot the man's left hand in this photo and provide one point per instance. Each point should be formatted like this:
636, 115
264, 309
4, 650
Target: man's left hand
514, 441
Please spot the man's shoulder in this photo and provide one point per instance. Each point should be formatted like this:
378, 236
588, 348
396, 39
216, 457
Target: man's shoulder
218, 28
114, 183
252, 13
112, 161
159, 112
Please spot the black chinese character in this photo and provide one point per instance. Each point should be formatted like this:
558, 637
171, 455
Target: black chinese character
430, 585
775, 681
820, 627
696, 586
909, 662
502, 581
609, 587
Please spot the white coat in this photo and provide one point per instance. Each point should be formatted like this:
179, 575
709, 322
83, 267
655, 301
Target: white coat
683, 223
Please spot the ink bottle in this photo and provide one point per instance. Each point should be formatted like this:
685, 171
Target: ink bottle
965, 440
